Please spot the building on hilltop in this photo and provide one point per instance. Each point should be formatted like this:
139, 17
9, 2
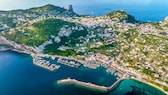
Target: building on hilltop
70, 8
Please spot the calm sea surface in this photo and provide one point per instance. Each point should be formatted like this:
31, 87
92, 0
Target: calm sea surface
153, 11
19, 76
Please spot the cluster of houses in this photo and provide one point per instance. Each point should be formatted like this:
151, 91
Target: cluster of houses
103, 31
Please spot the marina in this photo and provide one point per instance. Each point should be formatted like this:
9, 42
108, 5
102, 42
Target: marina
25, 79
92, 65
44, 61
45, 64
69, 62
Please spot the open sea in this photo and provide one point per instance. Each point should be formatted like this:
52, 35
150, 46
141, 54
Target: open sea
19, 76
143, 10
141, 13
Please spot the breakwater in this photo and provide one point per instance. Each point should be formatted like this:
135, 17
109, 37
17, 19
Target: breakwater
91, 86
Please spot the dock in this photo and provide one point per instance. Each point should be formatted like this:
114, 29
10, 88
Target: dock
37, 60
91, 86
69, 62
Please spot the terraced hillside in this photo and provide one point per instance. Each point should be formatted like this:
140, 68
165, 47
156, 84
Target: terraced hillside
141, 47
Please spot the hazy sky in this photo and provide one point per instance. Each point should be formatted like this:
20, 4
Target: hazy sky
24, 4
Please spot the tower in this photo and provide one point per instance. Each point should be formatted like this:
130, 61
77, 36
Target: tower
70, 8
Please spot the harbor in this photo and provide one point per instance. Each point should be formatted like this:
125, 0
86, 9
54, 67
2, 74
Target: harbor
39, 61
47, 81
53, 67
44, 61
91, 64
69, 62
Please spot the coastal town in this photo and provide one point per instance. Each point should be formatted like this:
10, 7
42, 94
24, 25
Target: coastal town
130, 47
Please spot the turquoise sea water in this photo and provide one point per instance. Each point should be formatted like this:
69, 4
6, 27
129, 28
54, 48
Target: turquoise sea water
19, 76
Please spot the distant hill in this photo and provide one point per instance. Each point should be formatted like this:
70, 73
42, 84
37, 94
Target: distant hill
48, 7
54, 9
121, 15
14, 17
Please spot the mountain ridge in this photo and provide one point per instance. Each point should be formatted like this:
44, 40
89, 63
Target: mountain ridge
122, 15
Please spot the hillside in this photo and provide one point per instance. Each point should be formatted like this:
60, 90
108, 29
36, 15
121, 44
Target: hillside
116, 38
15, 17
39, 32
121, 16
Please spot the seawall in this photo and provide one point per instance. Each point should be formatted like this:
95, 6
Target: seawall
90, 86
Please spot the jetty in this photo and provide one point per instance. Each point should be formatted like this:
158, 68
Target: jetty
91, 86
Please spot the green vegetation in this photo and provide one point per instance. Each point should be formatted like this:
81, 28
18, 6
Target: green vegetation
8, 21
50, 26
114, 47
144, 45
39, 32
148, 72
165, 88
121, 15
70, 41
130, 35
157, 25
48, 7
67, 52
165, 48
74, 38
129, 44
135, 67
